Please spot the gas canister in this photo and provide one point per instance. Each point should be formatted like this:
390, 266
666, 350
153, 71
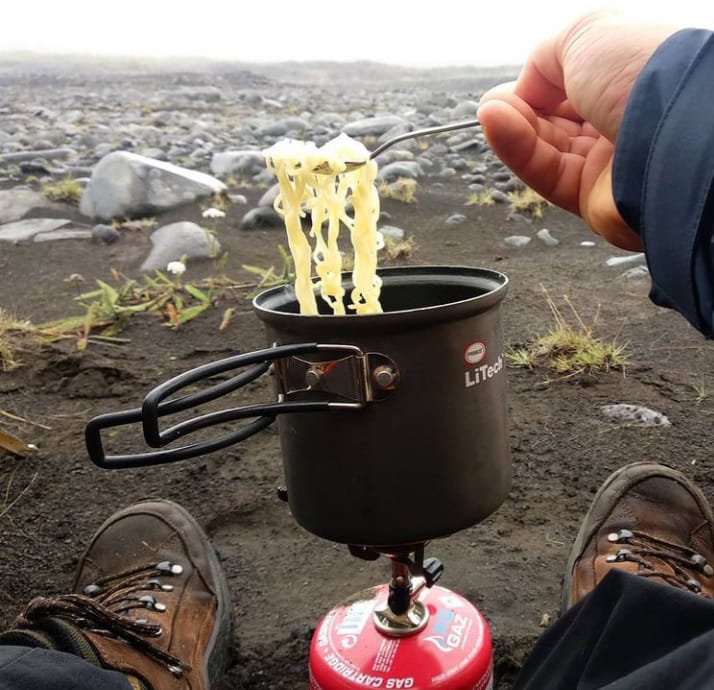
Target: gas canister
453, 651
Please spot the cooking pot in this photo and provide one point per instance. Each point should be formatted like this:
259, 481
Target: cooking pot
393, 426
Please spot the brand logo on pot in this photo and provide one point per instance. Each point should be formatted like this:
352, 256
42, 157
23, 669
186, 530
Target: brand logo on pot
474, 353
482, 373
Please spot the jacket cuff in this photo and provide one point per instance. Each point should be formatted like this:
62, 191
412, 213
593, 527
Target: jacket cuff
664, 169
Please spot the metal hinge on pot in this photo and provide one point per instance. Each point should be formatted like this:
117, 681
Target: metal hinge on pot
358, 376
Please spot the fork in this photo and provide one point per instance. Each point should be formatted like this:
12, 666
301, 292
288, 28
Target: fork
325, 169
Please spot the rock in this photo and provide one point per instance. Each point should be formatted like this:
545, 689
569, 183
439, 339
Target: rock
465, 110
372, 126
156, 154
499, 197
26, 229
105, 233
264, 177
636, 272
126, 185
635, 414
261, 217
393, 232
244, 162
393, 171
47, 154
176, 240
473, 145
37, 166
282, 127
207, 94
63, 234
587, 243
396, 131
517, 240
520, 224
546, 238
456, 219
101, 150
512, 185
393, 155
15, 203
268, 199
631, 260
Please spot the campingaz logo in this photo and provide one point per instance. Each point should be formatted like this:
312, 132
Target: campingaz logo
449, 631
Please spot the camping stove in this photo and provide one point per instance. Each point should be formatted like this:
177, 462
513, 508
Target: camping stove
414, 398
410, 633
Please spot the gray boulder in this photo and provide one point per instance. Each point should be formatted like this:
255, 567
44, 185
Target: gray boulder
394, 171
247, 162
29, 228
268, 199
261, 217
635, 414
47, 154
15, 203
126, 185
282, 127
372, 126
176, 240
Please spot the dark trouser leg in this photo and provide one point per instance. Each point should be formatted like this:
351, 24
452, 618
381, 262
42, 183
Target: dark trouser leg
627, 634
28, 668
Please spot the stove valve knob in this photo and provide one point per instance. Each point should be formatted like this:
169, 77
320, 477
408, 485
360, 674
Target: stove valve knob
433, 570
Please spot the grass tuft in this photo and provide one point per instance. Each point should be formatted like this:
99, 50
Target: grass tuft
395, 250
67, 190
570, 348
484, 198
527, 201
402, 189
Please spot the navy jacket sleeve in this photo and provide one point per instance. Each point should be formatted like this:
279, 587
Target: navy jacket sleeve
663, 174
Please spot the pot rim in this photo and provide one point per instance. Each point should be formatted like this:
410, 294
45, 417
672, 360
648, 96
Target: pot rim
493, 283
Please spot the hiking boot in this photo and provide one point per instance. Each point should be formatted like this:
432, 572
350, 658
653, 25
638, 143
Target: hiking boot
648, 520
150, 600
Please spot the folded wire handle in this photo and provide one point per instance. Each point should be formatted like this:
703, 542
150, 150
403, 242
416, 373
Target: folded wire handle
156, 405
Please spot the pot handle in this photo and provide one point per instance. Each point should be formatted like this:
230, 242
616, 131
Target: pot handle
155, 406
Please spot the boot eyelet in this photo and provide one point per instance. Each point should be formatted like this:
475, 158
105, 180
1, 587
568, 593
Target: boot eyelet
176, 671
694, 585
170, 568
155, 583
701, 563
620, 535
619, 557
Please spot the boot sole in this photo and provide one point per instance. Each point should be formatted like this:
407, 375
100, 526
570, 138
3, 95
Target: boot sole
616, 484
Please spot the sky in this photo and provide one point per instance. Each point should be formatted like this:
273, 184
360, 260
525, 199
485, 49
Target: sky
426, 33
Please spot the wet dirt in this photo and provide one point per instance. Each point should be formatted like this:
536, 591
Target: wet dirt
282, 578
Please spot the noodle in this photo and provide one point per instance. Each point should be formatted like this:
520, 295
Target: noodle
326, 197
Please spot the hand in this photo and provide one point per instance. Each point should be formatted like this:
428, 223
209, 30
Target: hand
556, 125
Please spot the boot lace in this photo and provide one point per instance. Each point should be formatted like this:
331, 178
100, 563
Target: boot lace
103, 606
673, 563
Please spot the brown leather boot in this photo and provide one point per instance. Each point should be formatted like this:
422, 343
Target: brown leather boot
649, 520
151, 600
